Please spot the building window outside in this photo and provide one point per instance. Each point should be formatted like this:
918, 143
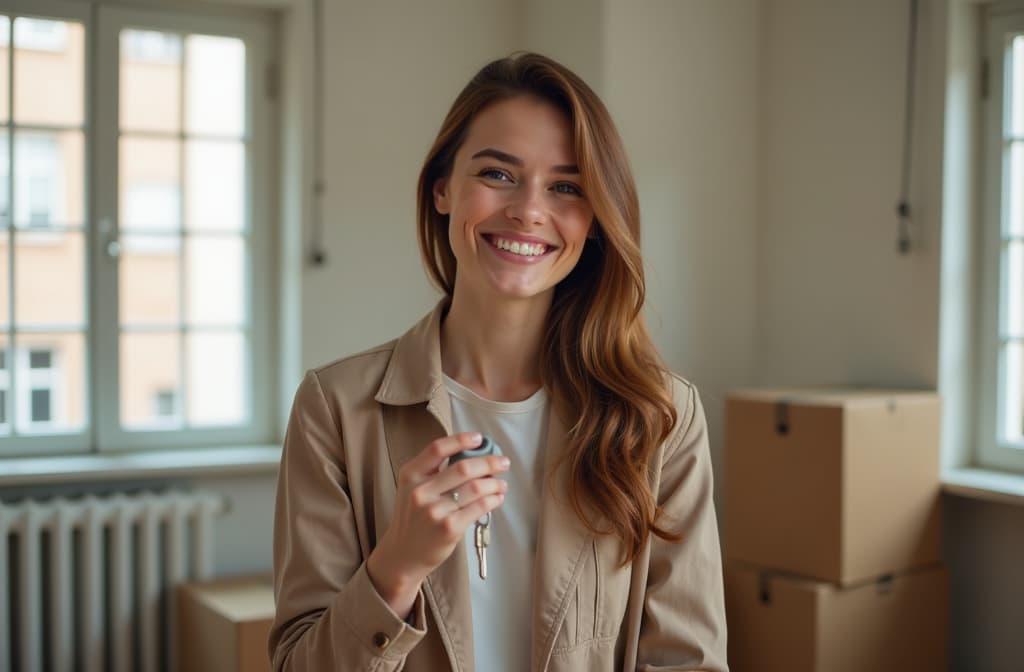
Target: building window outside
41, 405
4, 386
41, 389
163, 403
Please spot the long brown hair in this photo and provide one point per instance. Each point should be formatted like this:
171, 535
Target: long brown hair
598, 360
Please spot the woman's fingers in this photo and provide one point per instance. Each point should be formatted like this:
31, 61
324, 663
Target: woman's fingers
456, 474
429, 460
465, 516
469, 493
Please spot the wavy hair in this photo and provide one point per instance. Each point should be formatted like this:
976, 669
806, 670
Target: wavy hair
598, 360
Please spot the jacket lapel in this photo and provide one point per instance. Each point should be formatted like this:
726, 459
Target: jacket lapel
417, 410
562, 540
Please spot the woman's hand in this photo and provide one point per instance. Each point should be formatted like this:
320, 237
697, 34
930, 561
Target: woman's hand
428, 520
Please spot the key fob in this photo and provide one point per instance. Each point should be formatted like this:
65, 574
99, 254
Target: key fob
486, 447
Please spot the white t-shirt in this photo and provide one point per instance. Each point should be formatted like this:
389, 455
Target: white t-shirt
502, 604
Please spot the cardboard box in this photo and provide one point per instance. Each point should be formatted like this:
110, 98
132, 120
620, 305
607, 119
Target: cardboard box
779, 622
223, 625
838, 485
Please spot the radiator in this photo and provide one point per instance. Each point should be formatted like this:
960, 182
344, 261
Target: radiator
87, 584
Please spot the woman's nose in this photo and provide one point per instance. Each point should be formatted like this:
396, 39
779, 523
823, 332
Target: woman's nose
527, 206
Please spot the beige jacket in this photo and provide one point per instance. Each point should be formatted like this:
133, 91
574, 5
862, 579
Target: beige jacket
356, 421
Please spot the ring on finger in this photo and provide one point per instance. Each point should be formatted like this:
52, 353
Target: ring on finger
455, 496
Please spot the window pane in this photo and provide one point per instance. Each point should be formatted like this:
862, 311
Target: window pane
1017, 86
49, 279
5, 184
215, 185
1014, 292
150, 184
150, 280
52, 52
5, 40
5, 305
49, 183
215, 278
5, 387
150, 81
150, 366
215, 85
50, 399
216, 378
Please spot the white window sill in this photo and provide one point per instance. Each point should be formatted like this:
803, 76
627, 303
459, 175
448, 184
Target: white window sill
155, 464
993, 486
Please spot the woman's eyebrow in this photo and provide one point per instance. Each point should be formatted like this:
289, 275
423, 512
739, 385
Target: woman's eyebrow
505, 157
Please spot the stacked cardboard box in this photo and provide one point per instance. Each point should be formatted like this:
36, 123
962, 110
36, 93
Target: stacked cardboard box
832, 532
223, 625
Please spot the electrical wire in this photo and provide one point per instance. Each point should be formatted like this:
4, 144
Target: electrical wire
903, 207
317, 254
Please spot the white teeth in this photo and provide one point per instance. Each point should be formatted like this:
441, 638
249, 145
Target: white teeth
524, 249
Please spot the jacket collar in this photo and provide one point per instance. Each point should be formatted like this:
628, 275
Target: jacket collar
414, 374
414, 377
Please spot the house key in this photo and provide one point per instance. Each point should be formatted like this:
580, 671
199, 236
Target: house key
481, 539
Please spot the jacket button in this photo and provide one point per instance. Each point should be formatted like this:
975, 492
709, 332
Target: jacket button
381, 641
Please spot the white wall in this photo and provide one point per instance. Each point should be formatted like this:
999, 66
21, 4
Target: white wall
393, 69
680, 81
836, 303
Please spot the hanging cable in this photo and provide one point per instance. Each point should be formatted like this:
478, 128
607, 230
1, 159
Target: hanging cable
903, 207
317, 254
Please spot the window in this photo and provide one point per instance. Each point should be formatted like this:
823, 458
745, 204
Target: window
172, 158
4, 387
1001, 337
42, 388
40, 359
38, 35
164, 406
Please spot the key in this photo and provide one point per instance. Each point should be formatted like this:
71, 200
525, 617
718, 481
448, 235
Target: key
481, 539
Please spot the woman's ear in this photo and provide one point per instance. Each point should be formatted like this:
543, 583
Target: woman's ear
441, 196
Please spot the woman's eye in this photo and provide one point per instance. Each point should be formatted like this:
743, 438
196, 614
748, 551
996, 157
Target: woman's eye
495, 174
568, 188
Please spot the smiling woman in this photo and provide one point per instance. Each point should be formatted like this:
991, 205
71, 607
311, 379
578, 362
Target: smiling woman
590, 527
520, 220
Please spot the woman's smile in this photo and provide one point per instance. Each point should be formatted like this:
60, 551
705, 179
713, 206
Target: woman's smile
517, 248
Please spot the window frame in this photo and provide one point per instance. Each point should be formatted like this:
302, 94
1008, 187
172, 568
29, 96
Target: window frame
1001, 23
77, 440
102, 432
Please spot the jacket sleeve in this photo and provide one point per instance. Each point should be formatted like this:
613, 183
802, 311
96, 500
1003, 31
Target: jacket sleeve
683, 625
328, 614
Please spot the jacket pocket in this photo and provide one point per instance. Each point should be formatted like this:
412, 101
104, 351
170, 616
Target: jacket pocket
598, 604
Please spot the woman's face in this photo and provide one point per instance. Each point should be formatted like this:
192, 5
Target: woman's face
518, 218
